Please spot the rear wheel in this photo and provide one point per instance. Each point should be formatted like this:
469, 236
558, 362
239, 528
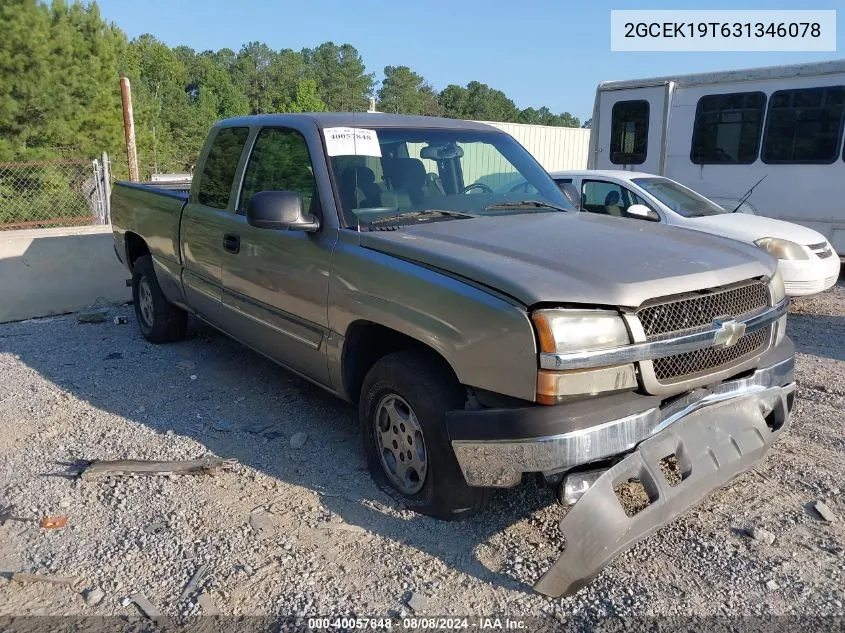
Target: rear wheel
159, 320
402, 411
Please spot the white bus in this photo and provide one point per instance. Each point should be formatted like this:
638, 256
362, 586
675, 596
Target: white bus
720, 133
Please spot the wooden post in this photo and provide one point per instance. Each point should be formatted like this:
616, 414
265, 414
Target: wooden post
129, 128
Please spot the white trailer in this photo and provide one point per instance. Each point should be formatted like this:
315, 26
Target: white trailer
719, 133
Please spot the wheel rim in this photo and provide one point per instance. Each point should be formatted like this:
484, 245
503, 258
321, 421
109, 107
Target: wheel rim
145, 301
401, 446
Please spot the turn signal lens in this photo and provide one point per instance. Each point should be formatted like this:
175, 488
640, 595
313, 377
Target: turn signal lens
555, 386
777, 288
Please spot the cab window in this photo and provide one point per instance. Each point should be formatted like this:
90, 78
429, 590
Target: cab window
218, 173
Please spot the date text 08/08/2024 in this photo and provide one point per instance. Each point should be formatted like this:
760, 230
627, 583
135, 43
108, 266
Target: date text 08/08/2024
419, 623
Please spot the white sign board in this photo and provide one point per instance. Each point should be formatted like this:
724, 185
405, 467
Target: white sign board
351, 141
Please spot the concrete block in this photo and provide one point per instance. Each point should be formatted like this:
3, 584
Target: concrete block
45, 272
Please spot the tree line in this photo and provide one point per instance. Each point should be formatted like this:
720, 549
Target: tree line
60, 98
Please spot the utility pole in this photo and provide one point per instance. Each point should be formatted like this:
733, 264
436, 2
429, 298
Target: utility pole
129, 128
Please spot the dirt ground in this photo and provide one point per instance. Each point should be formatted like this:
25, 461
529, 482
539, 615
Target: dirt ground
301, 529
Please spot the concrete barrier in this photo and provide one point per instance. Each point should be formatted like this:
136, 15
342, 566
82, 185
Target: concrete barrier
54, 271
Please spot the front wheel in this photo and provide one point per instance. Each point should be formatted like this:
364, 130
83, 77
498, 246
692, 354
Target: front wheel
159, 320
402, 411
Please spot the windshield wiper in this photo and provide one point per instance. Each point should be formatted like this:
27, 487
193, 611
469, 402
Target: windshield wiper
421, 214
525, 203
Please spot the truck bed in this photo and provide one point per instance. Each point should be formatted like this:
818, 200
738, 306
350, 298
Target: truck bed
152, 211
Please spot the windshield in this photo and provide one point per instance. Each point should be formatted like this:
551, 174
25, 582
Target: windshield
404, 174
681, 200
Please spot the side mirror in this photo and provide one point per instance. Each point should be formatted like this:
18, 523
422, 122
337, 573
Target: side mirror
280, 210
642, 212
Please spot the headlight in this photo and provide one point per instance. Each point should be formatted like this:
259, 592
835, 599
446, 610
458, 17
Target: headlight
564, 331
782, 249
778, 294
776, 288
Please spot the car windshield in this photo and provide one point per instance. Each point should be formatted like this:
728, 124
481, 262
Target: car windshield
407, 175
681, 200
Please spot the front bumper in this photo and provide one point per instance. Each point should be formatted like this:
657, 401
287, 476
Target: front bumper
810, 276
494, 447
713, 445
715, 433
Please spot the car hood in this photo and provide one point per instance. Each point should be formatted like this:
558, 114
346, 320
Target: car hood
574, 257
749, 228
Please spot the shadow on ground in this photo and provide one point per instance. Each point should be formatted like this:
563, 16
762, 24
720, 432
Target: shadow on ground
240, 405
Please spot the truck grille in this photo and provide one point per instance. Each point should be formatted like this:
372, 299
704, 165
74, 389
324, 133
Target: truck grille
696, 313
672, 368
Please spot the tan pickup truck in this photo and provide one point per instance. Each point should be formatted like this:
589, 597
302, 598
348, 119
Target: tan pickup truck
431, 273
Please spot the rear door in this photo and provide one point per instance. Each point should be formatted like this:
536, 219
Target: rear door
631, 129
204, 224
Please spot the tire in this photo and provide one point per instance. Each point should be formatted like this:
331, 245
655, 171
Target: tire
417, 390
159, 320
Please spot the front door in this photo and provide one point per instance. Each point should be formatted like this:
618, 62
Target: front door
631, 129
275, 283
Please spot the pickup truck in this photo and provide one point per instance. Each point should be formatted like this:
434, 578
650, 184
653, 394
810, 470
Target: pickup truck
485, 334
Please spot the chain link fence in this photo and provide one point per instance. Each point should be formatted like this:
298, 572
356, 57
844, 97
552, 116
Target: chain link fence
54, 193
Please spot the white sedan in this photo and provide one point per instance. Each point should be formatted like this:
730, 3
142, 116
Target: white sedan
806, 260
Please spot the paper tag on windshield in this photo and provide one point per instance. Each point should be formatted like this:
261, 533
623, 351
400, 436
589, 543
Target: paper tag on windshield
351, 141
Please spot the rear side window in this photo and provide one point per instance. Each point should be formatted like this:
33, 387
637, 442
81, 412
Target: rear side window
279, 162
629, 132
728, 128
220, 167
804, 126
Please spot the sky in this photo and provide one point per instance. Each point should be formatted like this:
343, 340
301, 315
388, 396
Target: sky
539, 52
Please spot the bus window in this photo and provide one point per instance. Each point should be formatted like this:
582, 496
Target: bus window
727, 128
804, 125
629, 132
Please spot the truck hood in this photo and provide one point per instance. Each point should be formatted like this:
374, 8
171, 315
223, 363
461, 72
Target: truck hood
749, 228
574, 257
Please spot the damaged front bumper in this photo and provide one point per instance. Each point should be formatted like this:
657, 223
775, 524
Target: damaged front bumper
715, 434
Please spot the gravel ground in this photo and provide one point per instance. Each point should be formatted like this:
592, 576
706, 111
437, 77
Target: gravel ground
304, 530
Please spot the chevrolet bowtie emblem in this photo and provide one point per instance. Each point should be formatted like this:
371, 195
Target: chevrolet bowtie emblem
728, 332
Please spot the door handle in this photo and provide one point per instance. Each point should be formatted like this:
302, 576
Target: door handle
232, 242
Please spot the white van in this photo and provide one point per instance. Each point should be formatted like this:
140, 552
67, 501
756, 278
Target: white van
720, 133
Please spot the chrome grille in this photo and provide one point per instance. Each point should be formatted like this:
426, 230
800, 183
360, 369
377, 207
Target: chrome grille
698, 312
682, 366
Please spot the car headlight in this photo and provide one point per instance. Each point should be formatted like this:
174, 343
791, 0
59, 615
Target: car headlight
782, 249
776, 288
778, 293
563, 331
